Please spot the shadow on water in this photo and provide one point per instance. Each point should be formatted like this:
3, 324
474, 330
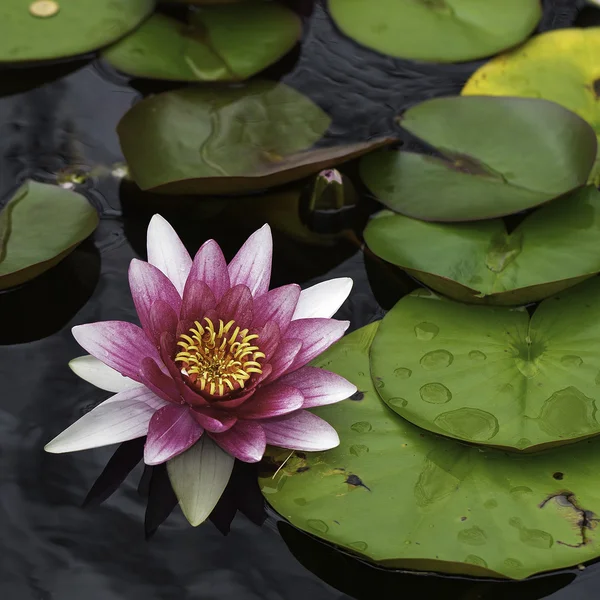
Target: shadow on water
363, 581
46, 304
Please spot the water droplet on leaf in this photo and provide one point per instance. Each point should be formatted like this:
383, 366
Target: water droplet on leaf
426, 331
435, 393
436, 359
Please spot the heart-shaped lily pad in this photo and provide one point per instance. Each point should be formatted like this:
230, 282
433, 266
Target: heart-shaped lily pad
39, 226
552, 249
221, 43
404, 498
499, 156
230, 140
494, 375
558, 65
50, 29
437, 30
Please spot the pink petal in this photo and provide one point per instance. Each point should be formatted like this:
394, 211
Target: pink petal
162, 319
268, 339
160, 383
167, 253
118, 344
213, 420
323, 299
124, 416
148, 285
271, 401
209, 266
283, 358
278, 305
251, 266
198, 299
245, 440
168, 349
316, 336
172, 430
236, 305
301, 431
319, 387
192, 398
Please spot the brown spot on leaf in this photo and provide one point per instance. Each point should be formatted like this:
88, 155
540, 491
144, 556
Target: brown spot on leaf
583, 520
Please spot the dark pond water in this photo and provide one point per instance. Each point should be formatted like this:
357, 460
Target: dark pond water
56, 119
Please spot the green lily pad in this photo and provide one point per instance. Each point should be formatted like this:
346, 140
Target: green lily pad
494, 375
72, 26
557, 65
231, 140
39, 226
403, 498
437, 30
499, 156
552, 249
221, 43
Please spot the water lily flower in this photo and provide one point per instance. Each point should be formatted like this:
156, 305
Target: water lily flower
218, 368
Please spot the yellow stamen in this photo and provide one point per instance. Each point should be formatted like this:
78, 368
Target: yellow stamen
218, 358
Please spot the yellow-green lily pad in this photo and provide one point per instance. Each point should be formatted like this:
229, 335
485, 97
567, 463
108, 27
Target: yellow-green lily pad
36, 30
558, 65
220, 43
39, 226
401, 497
437, 30
552, 249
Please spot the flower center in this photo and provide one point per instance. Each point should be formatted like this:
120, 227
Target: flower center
218, 359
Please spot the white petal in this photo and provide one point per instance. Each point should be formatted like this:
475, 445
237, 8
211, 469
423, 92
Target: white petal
323, 299
124, 416
102, 376
199, 477
167, 252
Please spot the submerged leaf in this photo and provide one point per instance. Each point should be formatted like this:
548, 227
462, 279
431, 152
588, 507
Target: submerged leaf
230, 140
39, 226
403, 498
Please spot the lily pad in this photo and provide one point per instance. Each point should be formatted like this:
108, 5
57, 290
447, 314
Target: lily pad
221, 43
492, 375
232, 140
498, 156
437, 30
37, 30
552, 249
39, 226
557, 65
403, 498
